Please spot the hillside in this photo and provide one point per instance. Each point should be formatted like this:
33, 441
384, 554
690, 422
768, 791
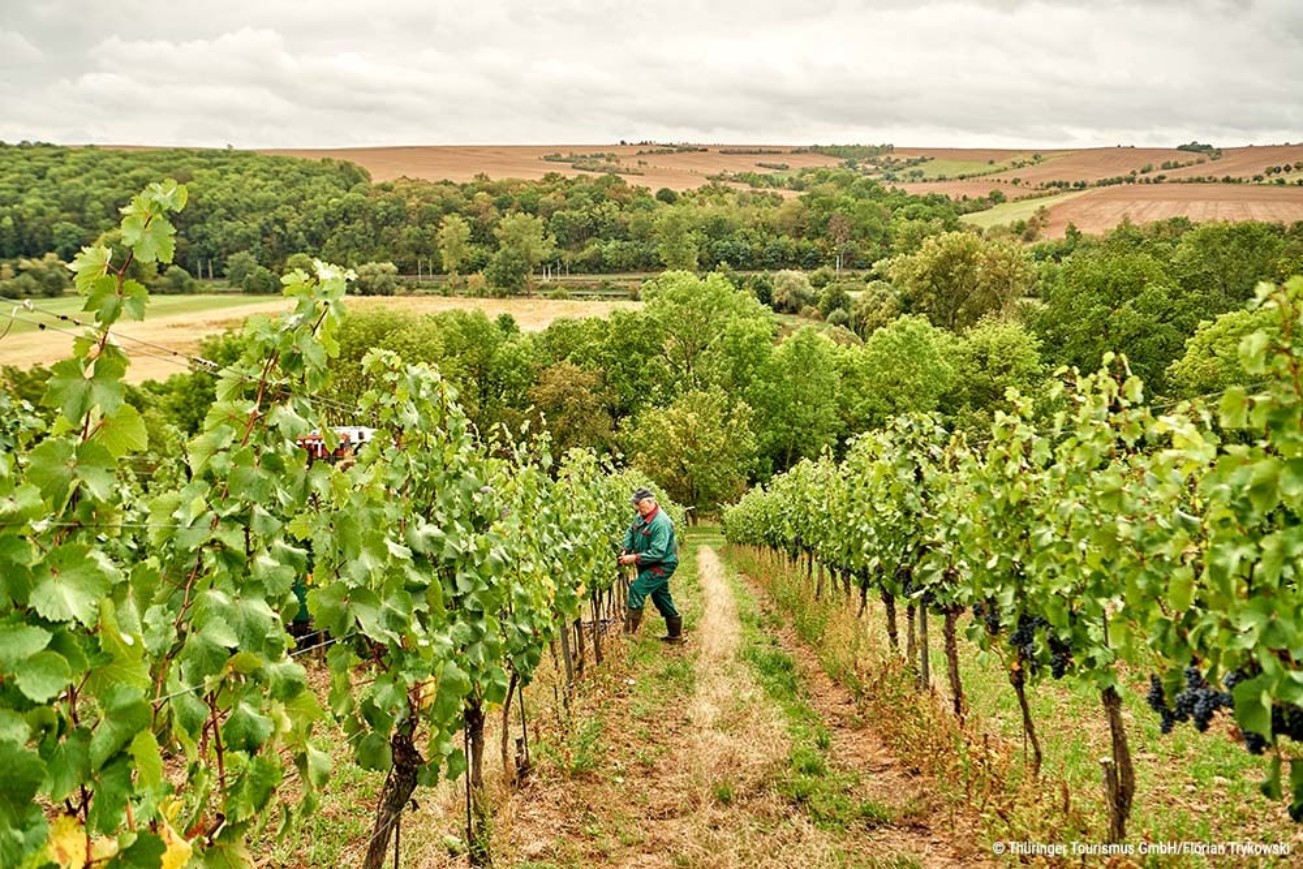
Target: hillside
1016, 173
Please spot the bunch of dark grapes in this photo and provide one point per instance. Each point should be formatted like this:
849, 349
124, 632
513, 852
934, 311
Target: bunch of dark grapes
1287, 721
1157, 701
989, 614
1060, 657
1024, 636
1198, 702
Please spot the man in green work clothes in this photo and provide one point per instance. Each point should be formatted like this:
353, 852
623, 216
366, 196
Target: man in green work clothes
650, 546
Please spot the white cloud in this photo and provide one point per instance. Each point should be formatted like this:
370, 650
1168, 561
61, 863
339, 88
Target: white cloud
16, 50
1037, 72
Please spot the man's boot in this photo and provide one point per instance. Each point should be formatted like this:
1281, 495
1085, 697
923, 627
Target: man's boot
674, 626
632, 618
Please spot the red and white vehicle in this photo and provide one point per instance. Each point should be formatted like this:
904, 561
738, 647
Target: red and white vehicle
351, 437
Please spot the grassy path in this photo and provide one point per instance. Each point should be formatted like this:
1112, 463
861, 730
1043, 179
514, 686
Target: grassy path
728, 751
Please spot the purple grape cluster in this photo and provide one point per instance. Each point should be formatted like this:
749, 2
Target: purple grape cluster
1060, 657
989, 613
1024, 636
1157, 701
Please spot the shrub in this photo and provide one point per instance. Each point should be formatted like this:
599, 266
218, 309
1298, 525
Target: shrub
792, 291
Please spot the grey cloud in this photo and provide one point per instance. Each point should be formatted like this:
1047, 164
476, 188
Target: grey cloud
262, 73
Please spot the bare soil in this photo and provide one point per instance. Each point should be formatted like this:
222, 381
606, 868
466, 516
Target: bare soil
1104, 208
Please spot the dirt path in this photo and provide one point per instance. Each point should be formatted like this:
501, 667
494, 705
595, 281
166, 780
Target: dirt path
698, 764
924, 828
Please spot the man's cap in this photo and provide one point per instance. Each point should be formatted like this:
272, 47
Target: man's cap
641, 495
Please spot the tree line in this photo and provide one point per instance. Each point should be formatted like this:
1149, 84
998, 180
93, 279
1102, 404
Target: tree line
55, 199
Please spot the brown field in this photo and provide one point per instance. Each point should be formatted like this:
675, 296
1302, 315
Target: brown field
978, 155
182, 333
973, 188
1094, 164
1242, 162
679, 171
1102, 209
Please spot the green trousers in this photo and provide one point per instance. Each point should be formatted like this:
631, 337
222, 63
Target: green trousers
658, 588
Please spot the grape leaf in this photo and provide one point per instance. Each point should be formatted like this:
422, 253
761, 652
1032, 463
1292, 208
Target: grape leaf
43, 675
69, 584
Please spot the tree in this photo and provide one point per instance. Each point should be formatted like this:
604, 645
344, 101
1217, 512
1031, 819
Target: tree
507, 271
700, 449
834, 298
454, 233
176, 280
792, 292
956, 278
1212, 355
990, 358
877, 306
1122, 301
526, 237
691, 315
302, 262
574, 406
676, 239
260, 280
238, 265
904, 366
376, 279
797, 399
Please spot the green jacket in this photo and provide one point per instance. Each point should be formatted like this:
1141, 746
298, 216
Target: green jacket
652, 540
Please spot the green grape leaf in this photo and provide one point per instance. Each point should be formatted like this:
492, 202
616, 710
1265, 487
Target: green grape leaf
69, 765
374, 752
125, 714
90, 265
102, 299
135, 298
126, 664
148, 760
122, 432
94, 468
1296, 790
456, 764
318, 764
74, 391
247, 729
20, 641
1253, 705
146, 852
1269, 787
23, 774
50, 468
42, 676
150, 236
69, 584
255, 788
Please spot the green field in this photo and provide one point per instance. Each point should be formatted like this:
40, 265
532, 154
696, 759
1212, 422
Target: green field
1010, 212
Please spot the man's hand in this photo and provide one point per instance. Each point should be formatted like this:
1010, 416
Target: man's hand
628, 559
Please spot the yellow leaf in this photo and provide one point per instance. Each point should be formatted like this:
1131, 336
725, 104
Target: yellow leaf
178, 851
67, 845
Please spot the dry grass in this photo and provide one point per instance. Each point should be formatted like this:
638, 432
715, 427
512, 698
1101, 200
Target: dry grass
181, 333
677, 171
1190, 786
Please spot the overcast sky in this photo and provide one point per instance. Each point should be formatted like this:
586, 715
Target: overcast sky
326, 73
